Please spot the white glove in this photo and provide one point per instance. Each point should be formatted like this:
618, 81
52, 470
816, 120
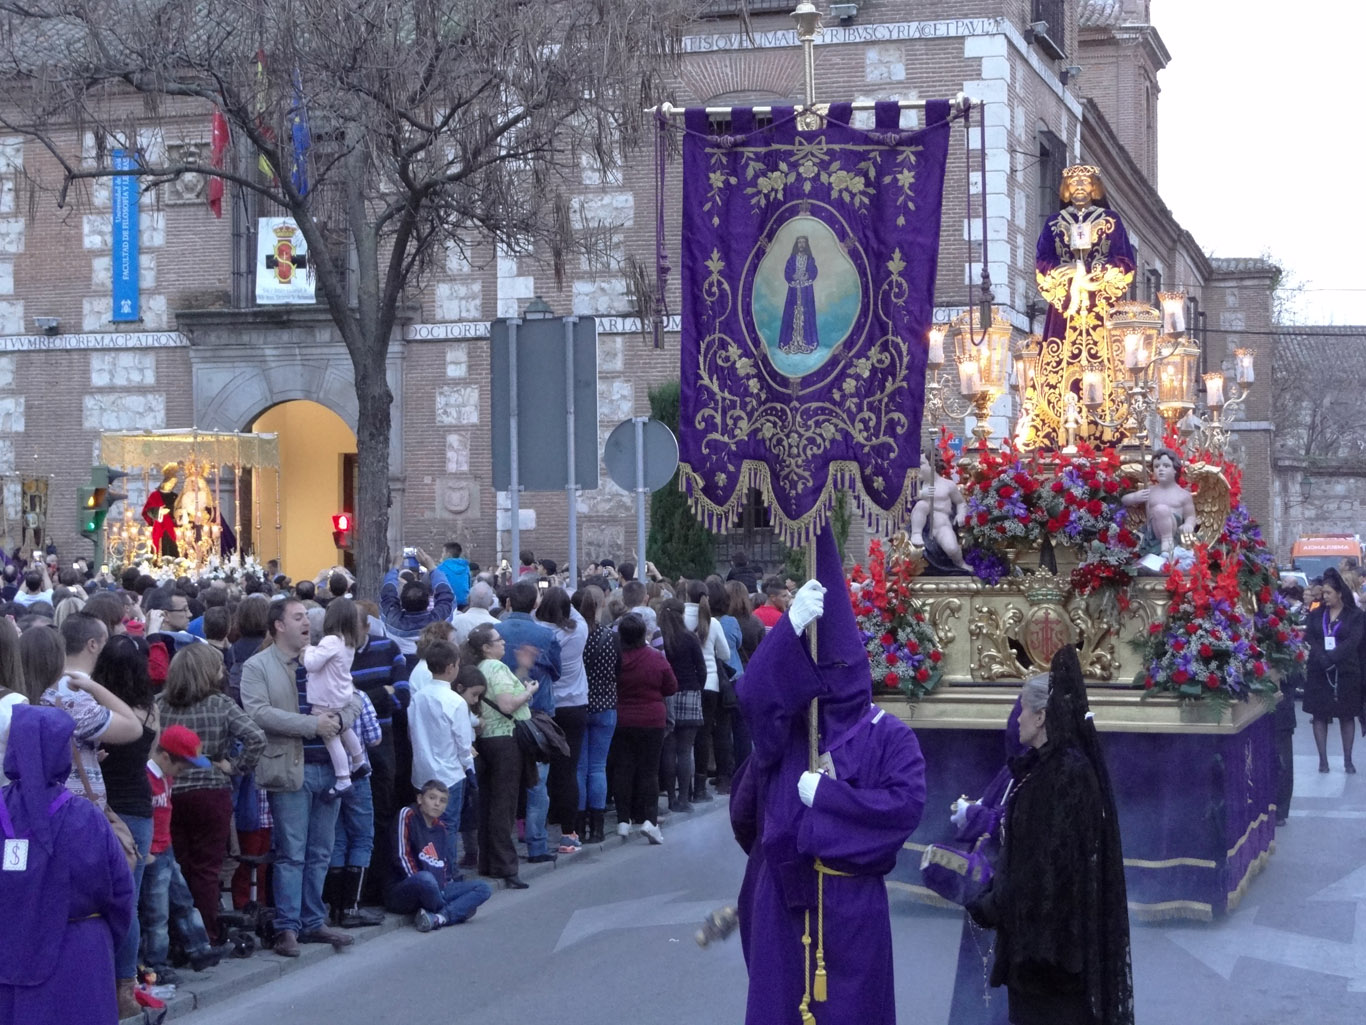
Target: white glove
960, 812
808, 606
806, 786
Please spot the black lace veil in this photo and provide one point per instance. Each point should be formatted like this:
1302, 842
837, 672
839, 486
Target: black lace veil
1071, 728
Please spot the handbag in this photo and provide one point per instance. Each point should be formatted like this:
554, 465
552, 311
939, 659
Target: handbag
958, 876
538, 737
122, 833
725, 681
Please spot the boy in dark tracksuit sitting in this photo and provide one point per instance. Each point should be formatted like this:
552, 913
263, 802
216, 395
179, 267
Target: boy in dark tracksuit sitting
428, 883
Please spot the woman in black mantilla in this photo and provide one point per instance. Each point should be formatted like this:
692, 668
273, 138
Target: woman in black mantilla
1058, 901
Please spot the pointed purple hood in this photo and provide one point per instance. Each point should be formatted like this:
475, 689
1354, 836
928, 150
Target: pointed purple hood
37, 900
840, 654
37, 761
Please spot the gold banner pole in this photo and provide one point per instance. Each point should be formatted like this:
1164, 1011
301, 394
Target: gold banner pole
813, 719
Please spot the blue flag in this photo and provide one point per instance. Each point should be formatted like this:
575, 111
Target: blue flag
301, 139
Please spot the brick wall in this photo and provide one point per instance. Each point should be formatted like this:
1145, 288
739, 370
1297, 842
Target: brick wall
54, 263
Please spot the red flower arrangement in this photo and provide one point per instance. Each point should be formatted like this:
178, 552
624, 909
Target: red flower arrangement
1109, 564
1084, 495
1005, 501
1208, 646
903, 651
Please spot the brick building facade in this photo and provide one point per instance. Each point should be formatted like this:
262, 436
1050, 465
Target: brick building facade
1082, 87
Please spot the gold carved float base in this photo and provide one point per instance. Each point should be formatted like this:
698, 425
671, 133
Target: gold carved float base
1009, 631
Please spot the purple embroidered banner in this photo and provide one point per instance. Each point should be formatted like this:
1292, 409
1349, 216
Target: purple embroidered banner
808, 286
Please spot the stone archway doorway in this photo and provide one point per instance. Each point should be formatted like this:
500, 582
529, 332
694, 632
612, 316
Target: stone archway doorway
317, 479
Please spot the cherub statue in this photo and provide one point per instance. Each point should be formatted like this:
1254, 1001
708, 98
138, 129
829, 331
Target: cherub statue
940, 507
1171, 508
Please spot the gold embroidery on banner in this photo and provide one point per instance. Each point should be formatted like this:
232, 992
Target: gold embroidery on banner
799, 426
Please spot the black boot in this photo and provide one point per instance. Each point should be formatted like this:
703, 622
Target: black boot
595, 827
334, 894
352, 915
699, 789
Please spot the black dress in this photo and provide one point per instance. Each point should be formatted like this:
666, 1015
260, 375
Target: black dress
1332, 685
1060, 917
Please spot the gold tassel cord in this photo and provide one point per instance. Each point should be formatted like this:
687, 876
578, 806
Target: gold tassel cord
819, 985
805, 1008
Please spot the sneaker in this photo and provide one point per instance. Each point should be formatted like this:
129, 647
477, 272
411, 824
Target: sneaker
624, 830
424, 921
680, 806
363, 918
571, 839
652, 833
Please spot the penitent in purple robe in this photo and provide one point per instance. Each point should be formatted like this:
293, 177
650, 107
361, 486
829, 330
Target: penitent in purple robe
63, 913
857, 824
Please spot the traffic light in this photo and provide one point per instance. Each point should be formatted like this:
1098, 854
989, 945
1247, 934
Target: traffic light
94, 500
342, 536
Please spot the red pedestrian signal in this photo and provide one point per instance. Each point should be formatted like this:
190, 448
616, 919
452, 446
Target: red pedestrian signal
341, 530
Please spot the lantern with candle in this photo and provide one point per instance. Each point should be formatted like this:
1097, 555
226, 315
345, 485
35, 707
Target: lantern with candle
982, 366
1214, 391
1176, 382
935, 355
1173, 312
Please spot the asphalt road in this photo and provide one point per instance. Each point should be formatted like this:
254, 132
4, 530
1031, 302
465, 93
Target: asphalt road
608, 937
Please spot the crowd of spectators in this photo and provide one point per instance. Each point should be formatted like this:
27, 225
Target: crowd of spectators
287, 760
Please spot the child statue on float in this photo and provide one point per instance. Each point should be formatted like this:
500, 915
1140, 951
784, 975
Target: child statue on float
813, 909
1171, 508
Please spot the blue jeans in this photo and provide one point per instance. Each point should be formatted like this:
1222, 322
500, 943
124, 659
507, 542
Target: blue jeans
421, 890
593, 759
165, 896
302, 838
537, 808
451, 816
126, 955
355, 827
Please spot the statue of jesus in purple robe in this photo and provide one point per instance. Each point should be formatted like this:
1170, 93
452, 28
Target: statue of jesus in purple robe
819, 847
798, 334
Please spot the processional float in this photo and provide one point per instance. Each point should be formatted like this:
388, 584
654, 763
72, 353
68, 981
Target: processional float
809, 356
188, 477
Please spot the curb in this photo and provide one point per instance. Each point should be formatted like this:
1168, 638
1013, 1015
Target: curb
234, 976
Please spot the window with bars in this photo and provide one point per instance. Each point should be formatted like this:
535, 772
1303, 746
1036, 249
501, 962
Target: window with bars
1052, 162
1051, 40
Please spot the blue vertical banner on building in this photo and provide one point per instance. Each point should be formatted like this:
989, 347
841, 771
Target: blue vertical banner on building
124, 237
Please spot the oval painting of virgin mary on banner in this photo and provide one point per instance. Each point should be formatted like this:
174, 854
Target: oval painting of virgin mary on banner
806, 296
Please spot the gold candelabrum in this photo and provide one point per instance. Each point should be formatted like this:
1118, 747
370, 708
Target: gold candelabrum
982, 360
1157, 363
1225, 404
128, 540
